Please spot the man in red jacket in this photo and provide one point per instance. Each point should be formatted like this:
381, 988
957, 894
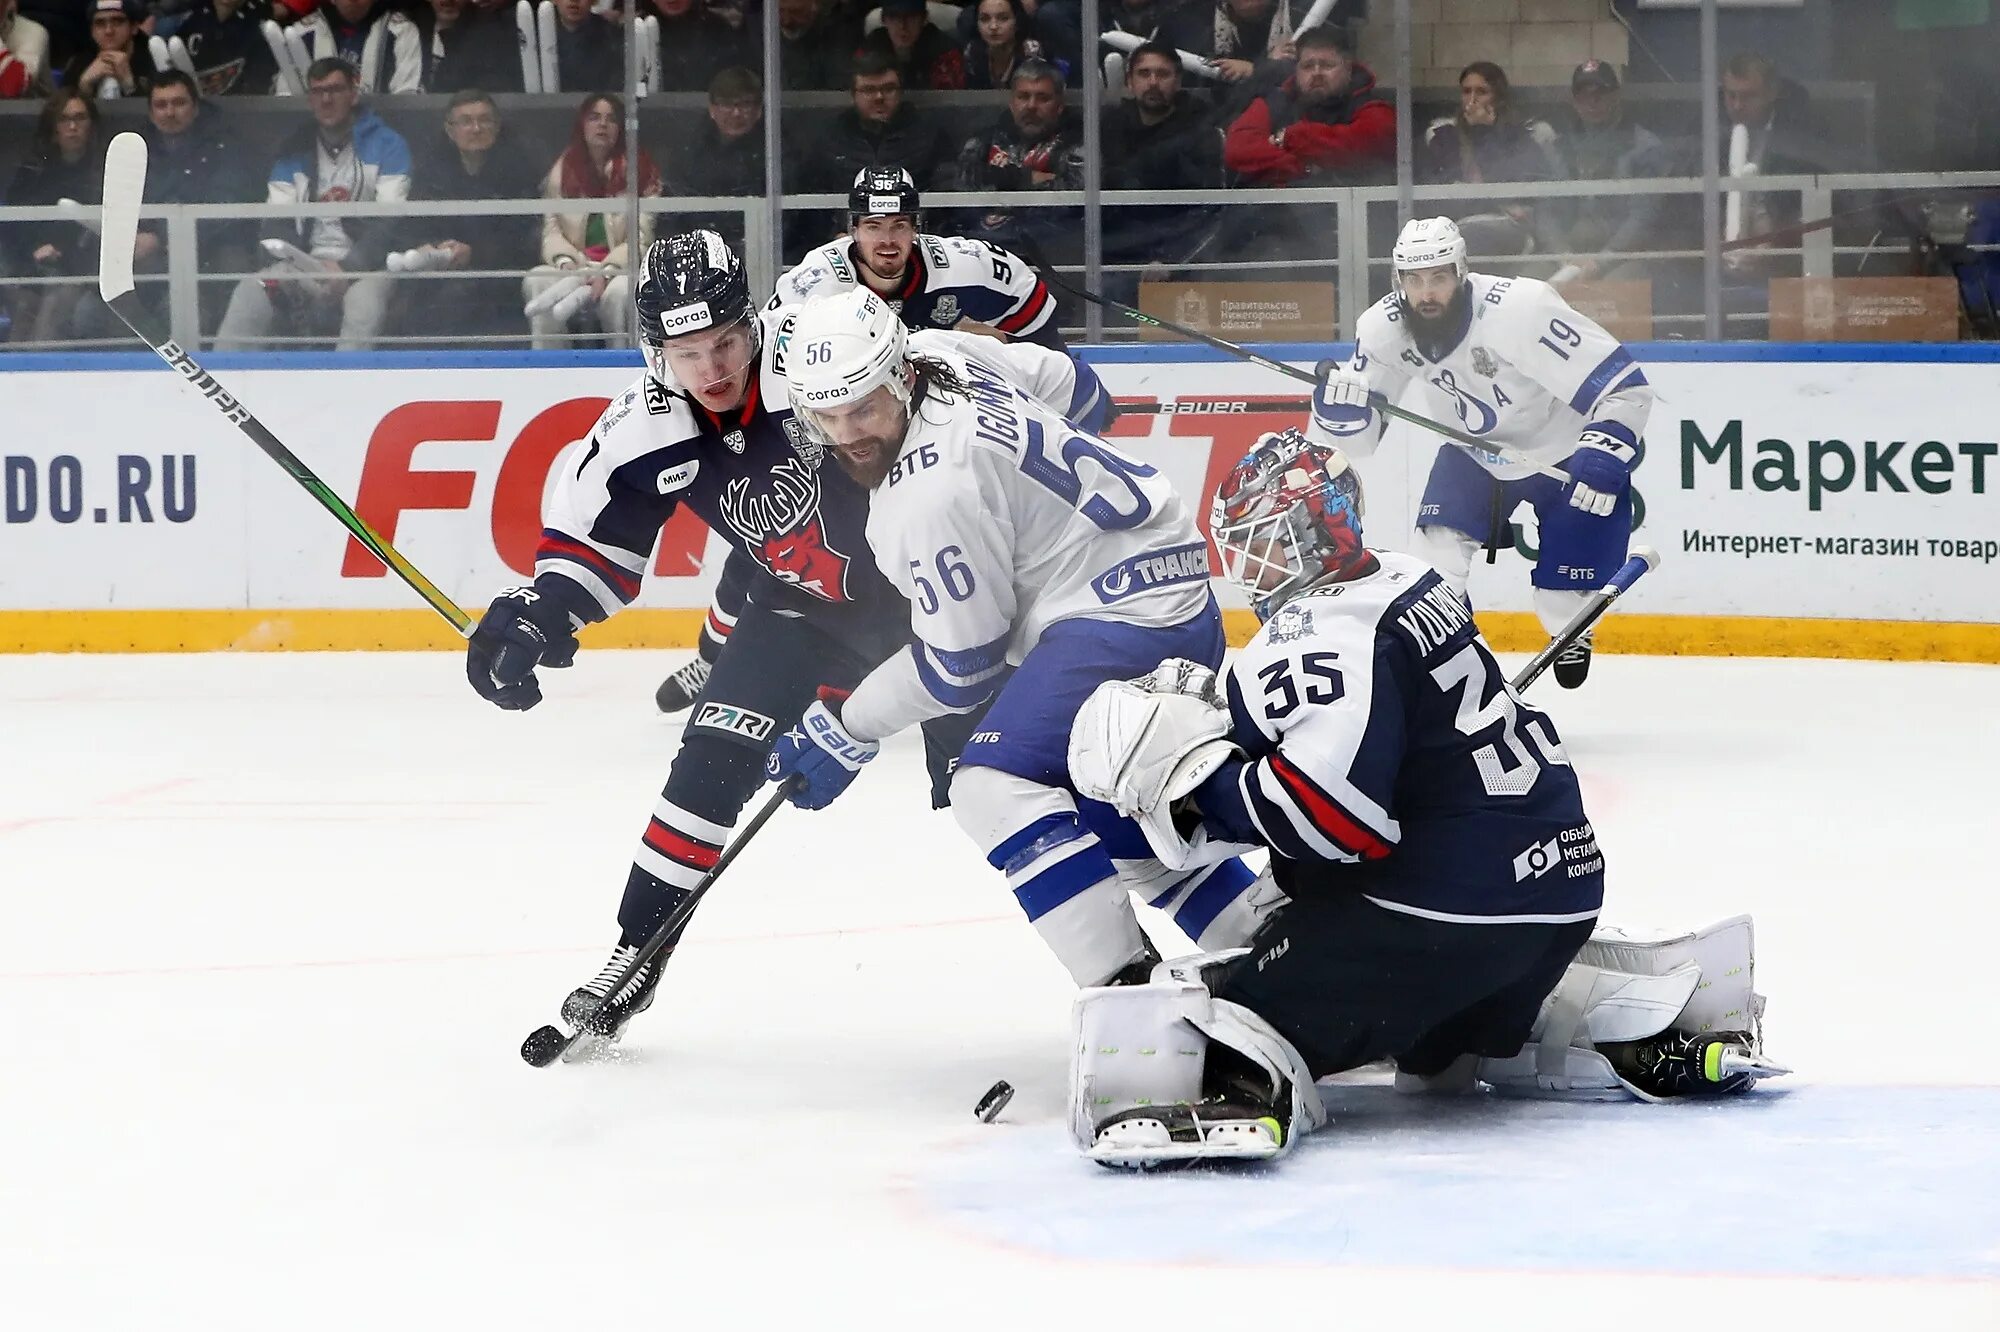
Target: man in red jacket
1326, 125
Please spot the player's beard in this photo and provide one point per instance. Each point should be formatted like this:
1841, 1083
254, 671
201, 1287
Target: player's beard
872, 470
1434, 333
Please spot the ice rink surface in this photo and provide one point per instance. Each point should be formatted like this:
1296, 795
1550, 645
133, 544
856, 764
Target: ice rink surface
272, 926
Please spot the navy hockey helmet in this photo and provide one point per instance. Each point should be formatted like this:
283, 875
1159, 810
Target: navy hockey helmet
688, 283
1286, 516
883, 191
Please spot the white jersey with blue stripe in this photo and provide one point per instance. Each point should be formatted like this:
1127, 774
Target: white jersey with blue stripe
1528, 372
1049, 377
998, 519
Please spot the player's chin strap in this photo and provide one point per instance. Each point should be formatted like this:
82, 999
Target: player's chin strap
1651, 1018
1165, 1073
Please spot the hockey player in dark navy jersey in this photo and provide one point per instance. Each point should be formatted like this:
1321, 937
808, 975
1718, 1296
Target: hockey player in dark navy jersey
709, 425
932, 282
1428, 829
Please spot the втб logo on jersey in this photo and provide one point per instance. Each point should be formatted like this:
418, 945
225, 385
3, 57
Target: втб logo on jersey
784, 530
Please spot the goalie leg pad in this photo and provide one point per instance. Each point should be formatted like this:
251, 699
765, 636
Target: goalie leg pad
1148, 1068
1621, 990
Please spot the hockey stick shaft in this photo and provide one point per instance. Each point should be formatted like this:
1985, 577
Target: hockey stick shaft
124, 188
1375, 400
668, 933
1643, 559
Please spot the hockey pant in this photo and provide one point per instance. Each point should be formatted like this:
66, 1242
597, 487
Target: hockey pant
1348, 982
1073, 863
769, 670
1465, 507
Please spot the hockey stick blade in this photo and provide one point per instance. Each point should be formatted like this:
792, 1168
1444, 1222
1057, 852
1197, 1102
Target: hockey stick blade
545, 1045
1643, 560
124, 191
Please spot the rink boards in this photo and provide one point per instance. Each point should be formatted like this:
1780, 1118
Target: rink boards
1808, 500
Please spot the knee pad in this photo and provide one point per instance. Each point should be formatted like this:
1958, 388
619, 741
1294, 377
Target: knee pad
1447, 550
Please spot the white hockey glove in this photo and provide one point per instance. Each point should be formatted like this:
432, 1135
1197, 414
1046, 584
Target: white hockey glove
1602, 468
1178, 675
1140, 751
1340, 411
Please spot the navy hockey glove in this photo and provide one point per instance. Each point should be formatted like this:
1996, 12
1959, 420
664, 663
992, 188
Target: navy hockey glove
819, 755
1602, 471
521, 630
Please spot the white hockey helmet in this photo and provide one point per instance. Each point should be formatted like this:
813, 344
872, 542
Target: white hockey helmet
843, 348
1429, 242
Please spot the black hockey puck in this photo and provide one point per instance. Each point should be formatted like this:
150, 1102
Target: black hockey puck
995, 1100
543, 1045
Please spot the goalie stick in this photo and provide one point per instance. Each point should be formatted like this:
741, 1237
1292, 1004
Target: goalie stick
124, 191
1643, 560
545, 1045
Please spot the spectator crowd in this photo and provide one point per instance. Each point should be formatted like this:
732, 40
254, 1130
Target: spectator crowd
1200, 95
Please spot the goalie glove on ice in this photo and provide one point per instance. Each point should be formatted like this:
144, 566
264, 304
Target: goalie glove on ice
820, 754
522, 629
1601, 468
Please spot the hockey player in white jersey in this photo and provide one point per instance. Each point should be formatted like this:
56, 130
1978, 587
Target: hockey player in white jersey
1511, 362
1018, 539
931, 282
1424, 822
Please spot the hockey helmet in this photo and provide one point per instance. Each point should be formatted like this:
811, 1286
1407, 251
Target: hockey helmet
840, 350
883, 191
1286, 516
689, 282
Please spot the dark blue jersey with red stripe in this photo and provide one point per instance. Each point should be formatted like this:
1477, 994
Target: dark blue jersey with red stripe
1386, 754
949, 278
753, 475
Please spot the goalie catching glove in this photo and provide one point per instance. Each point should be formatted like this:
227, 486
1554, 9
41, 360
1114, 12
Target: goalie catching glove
1141, 745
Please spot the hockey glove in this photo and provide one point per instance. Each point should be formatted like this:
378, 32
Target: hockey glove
820, 755
1138, 750
1602, 471
521, 630
1340, 409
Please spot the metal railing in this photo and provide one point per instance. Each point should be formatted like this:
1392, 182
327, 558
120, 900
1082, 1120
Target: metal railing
1355, 263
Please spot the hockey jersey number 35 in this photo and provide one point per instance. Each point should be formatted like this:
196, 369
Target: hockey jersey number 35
1383, 736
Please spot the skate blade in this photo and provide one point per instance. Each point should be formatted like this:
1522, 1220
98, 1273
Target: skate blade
1148, 1144
590, 1047
1734, 1061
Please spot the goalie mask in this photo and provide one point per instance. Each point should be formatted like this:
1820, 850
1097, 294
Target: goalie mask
1287, 516
697, 329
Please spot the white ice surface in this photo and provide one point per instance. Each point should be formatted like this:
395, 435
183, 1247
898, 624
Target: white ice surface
271, 928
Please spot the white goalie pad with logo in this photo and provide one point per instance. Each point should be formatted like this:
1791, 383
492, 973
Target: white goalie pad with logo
1138, 1068
1623, 988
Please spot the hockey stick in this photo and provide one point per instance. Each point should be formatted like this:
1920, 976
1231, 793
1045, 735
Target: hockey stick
124, 189
1375, 400
1643, 560
545, 1045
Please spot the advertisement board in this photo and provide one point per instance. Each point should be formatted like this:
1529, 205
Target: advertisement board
1809, 489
